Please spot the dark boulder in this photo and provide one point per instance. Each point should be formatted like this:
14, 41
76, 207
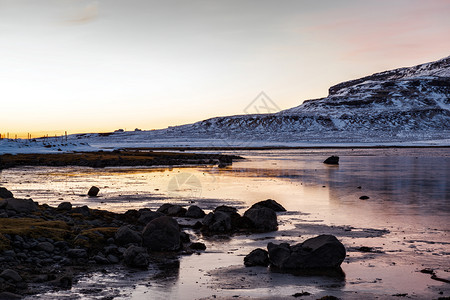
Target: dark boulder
269, 203
148, 216
93, 191
195, 212
172, 210
162, 234
197, 246
83, 210
226, 209
5, 194
263, 219
364, 197
332, 160
20, 205
218, 221
323, 251
136, 257
125, 235
258, 257
64, 206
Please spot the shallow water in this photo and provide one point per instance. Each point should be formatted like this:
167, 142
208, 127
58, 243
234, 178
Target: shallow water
406, 218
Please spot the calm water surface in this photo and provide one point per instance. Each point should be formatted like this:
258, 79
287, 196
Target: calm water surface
409, 192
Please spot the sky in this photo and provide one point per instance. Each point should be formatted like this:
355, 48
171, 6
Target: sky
96, 66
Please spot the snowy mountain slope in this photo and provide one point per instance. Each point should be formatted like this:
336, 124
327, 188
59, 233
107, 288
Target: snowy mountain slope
396, 106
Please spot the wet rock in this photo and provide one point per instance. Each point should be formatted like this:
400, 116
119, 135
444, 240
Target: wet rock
176, 211
332, 160
226, 209
195, 212
264, 219
64, 206
65, 282
83, 210
184, 237
125, 235
258, 257
77, 253
197, 246
99, 259
147, 216
113, 259
364, 197
269, 203
93, 191
136, 257
323, 251
12, 275
46, 246
164, 208
296, 295
20, 205
217, 222
9, 296
5, 194
162, 234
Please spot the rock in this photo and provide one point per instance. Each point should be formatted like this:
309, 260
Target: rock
5, 194
162, 234
136, 257
84, 210
364, 197
258, 257
195, 212
125, 235
113, 259
65, 206
46, 246
184, 237
269, 203
77, 253
176, 211
101, 260
147, 216
65, 282
264, 219
323, 251
93, 191
226, 209
21, 205
332, 160
9, 296
12, 275
198, 246
217, 222
164, 208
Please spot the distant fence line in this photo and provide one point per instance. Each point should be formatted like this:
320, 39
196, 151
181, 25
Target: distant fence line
29, 137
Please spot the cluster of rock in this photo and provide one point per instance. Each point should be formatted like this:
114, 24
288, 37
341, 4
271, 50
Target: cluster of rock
40, 243
321, 252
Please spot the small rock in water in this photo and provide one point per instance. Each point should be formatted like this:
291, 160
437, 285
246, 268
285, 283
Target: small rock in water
269, 203
301, 294
195, 212
93, 191
332, 160
198, 246
364, 197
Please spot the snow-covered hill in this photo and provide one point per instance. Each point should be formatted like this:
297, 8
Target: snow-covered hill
401, 106
406, 106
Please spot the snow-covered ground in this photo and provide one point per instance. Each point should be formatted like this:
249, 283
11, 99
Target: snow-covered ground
401, 107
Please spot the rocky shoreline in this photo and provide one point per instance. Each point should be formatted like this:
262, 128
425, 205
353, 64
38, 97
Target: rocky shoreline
116, 158
48, 246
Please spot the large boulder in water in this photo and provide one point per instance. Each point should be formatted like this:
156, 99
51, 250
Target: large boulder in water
218, 221
323, 251
263, 219
269, 203
162, 234
258, 257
